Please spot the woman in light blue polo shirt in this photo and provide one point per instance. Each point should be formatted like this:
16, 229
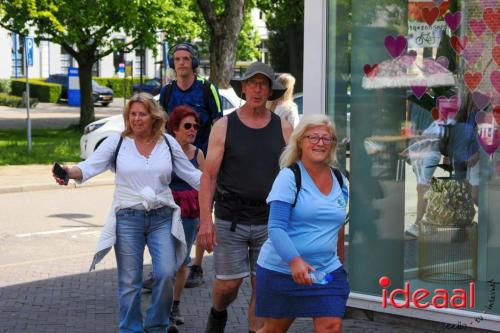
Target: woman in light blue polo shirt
303, 238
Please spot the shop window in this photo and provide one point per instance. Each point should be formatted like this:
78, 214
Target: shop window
140, 62
413, 87
66, 61
17, 55
118, 58
96, 68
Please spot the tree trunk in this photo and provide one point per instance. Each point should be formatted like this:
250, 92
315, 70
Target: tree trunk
87, 114
224, 31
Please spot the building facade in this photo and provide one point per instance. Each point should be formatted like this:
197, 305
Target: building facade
417, 82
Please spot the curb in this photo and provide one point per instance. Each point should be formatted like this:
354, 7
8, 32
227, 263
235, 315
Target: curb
42, 187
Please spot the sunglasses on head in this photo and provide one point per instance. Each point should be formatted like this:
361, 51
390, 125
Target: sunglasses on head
187, 126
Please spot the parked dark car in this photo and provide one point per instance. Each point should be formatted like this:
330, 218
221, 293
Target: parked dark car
152, 86
100, 94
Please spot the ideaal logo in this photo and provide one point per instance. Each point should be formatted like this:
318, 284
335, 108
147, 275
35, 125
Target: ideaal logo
460, 298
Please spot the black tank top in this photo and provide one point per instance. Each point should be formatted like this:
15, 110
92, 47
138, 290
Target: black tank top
247, 171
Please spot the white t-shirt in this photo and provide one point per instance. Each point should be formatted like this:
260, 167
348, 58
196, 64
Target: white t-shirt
288, 111
136, 171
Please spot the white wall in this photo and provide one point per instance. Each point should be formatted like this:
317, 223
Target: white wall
107, 67
5, 55
315, 25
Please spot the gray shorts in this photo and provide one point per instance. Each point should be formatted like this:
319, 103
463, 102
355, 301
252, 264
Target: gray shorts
236, 253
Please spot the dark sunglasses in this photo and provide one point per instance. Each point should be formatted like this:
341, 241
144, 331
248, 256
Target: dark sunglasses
187, 126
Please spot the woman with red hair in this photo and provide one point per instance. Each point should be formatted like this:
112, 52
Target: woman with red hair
183, 124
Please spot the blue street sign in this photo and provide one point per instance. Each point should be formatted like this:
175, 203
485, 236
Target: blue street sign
29, 44
73, 87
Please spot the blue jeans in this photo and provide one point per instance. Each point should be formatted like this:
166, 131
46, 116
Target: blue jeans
134, 230
190, 232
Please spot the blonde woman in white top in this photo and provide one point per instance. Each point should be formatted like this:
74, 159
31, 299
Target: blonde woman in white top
143, 211
284, 106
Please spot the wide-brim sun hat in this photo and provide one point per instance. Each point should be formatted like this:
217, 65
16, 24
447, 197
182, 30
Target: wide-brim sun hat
259, 68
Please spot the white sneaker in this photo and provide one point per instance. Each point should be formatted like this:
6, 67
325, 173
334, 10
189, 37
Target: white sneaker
412, 231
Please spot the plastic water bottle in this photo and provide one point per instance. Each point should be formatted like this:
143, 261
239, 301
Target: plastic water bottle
320, 277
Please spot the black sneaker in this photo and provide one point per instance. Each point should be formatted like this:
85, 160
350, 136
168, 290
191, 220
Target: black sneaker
172, 328
195, 278
147, 285
216, 325
175, 315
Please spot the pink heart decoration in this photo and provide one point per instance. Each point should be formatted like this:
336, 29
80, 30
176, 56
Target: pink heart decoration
497, 167
472, 80
473, 52
371, 70
458, 44
419, 89
477, 26
448, 107
495, 80
395, 45
495, 53
492, 19
430, 14
453, 20
496, 114
488, 136
443, 61
488, 3
482, 100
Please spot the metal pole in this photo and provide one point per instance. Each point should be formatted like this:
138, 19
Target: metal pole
28, 120
124, 83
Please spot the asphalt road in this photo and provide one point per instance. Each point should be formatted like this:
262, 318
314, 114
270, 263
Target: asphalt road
45, 225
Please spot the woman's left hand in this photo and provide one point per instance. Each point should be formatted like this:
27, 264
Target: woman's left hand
300, 271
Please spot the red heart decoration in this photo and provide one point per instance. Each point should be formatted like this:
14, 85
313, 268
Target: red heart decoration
457, 44
492, 19
472, 80
371, 70
430, 14
435, 113
496, 54
496, 114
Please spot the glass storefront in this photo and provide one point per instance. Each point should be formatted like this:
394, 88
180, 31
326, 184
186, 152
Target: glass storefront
414, 89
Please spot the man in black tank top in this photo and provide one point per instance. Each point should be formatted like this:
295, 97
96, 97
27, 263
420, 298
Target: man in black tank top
241, 164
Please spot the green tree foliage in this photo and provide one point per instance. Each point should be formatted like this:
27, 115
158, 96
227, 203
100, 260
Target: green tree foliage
91, 29
285, 23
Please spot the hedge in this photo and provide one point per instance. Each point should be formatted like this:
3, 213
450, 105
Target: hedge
116, 84
15, 101
5, 86
45, 92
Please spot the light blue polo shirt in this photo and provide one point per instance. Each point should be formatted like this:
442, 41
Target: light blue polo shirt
314, 222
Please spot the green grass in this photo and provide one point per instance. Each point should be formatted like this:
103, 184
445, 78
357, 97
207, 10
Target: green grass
48, 146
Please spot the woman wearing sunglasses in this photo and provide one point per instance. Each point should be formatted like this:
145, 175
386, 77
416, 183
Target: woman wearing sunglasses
303, 233
183, 124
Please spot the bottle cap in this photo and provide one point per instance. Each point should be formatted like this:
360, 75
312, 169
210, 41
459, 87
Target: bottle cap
328, 277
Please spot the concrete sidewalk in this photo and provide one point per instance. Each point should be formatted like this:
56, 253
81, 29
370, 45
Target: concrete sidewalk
40, 297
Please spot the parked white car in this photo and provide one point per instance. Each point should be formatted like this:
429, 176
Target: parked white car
95, 133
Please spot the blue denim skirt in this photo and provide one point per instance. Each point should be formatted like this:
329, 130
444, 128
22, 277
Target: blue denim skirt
278, 296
